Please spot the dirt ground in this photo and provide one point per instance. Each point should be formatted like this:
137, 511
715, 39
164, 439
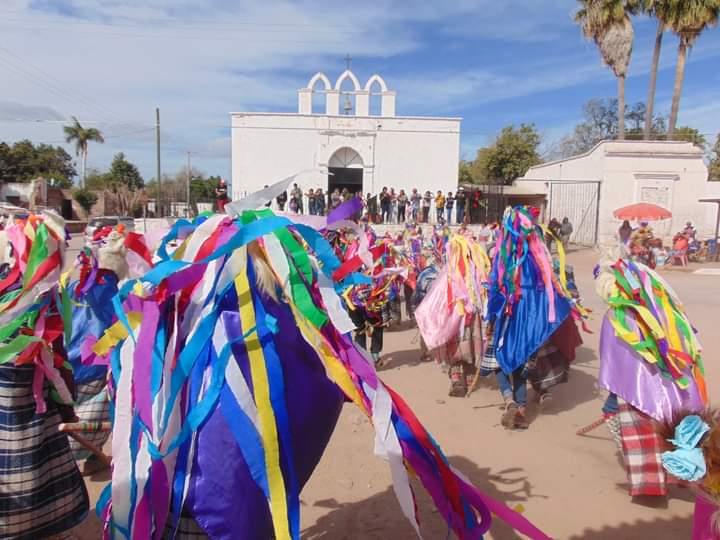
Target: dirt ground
572, 487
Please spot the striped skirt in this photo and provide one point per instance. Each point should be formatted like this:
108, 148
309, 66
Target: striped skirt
41, 490
92, 405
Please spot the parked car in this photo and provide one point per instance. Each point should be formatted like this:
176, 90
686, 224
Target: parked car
98, 223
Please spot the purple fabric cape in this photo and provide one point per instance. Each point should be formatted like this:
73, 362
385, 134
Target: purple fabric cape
627, 374
223, 497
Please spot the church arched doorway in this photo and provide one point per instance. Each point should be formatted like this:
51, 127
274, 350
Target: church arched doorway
346, 171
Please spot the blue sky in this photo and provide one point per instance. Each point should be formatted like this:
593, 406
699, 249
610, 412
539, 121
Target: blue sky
491, 62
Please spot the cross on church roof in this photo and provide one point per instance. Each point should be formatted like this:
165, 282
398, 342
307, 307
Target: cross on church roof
348, 59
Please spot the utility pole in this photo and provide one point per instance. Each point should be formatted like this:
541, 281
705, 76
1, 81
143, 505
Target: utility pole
158, 199
187, 193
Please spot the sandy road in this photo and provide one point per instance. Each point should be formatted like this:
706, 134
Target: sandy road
572, 487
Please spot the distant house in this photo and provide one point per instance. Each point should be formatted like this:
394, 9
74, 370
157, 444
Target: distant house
38, 194
589, 187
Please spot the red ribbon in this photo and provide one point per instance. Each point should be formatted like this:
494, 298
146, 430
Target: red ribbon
352, 264
136, 242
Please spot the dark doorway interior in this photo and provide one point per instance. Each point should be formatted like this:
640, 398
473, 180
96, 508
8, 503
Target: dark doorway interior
66, 209
345, 177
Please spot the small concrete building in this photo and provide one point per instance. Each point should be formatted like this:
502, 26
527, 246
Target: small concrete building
364, 147
589, 187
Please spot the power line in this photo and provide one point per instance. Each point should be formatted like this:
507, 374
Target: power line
38, 82
42, 75
210, 25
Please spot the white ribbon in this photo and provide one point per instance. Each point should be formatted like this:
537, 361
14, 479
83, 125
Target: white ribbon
262, 197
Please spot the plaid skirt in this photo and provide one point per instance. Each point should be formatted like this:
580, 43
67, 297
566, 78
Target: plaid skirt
187, 529
92, 405
547, 368
489, 364
641, 449
41, 492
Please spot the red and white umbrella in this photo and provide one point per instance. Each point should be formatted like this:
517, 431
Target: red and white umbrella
642, 212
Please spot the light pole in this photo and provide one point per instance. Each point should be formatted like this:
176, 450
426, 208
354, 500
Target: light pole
187, 188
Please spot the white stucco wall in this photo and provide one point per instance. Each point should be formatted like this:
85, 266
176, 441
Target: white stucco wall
672, 174
399, 152
17, 189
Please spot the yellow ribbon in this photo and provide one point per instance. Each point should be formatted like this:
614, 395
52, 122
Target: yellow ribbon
116, 333
266, 415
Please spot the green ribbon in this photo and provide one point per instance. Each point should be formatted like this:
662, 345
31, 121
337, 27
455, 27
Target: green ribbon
10, 350
300, 266
38, 253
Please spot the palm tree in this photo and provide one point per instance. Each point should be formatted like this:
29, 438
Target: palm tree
607, 23
687, 19
81, 137
657, 9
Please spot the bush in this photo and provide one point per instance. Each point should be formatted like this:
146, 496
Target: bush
85, 198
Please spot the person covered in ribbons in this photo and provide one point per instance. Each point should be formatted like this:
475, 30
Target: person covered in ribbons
424, 281
369, 307
113, 257
231, 360
42, 494
374, 302
650, 358
450, 315
532, 315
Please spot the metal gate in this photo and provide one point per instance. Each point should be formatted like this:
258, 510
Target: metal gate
579, 202
494, 202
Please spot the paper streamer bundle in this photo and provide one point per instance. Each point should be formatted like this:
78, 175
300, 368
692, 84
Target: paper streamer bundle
34, 318
662, 334
114, 255
460, 291
650, 355
527, 300
231, 369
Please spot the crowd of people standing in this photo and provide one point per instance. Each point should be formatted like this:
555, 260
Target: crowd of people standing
390, 205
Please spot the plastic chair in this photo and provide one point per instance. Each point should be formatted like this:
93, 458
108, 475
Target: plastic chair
679, 256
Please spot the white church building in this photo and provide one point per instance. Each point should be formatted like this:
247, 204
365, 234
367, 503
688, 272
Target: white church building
357, 137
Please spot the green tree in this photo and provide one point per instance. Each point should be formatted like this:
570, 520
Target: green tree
600, 123
124, 172
76, 133
509, 157
714, 165
465, 172
85, 198
202, 189
96, 180
687, 19
635, 120
685, 133
24, 161
608, 24
657, 9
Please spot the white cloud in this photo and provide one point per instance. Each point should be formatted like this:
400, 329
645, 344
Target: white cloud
454, 91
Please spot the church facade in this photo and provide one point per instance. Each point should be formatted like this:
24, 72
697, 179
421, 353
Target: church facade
356, 137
